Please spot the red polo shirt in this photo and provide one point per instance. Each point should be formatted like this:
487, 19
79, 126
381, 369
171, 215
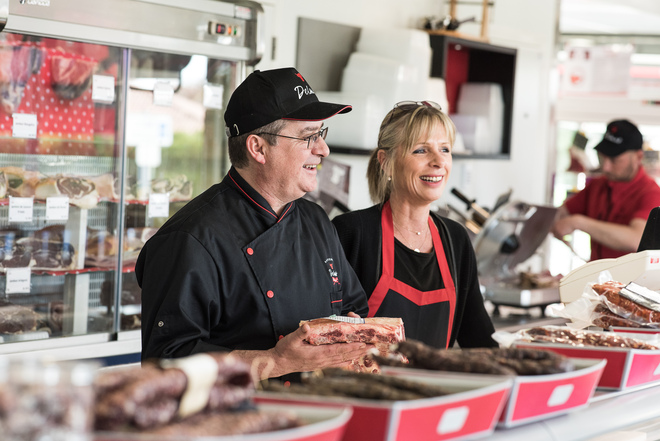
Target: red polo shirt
617, 202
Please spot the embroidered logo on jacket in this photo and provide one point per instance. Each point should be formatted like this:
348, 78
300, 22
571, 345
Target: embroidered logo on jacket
330, 263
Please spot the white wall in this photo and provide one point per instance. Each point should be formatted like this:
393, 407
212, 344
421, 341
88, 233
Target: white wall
526, 25
282, 17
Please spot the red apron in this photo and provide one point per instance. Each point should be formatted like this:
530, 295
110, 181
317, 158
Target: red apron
388, 285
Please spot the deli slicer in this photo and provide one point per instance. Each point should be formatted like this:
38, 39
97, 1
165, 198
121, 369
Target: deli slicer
508, 237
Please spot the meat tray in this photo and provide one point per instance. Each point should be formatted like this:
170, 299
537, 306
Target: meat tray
470, 410
537, 397
625, 369
320, 423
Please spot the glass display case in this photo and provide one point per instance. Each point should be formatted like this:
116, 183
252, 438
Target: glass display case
110, 122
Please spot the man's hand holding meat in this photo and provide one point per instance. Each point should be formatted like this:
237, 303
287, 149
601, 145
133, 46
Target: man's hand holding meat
294, 354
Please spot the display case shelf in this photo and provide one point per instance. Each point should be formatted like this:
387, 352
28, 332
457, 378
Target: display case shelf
459, 61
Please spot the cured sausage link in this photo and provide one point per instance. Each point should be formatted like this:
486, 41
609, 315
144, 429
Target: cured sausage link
147, 396
456, 360
497, 361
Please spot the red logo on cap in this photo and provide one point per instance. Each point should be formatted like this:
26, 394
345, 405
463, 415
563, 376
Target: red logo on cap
299, 75
614, 129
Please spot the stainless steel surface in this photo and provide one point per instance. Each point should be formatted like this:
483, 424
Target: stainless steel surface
528, 224
513, 318
507, 294
509, 237
142, 24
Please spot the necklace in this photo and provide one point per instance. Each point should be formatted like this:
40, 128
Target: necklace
418, 233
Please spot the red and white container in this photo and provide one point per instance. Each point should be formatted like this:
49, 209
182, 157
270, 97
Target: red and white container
320, 423
538, 397
626, 368
470, 410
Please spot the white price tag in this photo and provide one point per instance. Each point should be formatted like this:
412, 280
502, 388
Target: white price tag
18, 281
57, 208
24, 126
20, 209
159, 205
103, 88
163, 94
213, 96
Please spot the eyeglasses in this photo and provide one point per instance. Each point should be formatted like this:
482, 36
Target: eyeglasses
409, 105
311, 139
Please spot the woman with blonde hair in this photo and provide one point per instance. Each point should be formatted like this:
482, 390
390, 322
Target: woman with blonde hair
413, 263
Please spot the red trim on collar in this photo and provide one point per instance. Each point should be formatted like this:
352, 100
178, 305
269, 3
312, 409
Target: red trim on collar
256, 203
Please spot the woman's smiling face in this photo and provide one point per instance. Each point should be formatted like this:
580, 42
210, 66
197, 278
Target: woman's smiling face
422, 172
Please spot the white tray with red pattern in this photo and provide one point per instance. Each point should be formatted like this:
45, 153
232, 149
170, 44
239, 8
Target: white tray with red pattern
470, 410
319, 423
625, 369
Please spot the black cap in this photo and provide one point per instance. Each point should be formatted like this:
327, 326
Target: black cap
621, 135
269, 95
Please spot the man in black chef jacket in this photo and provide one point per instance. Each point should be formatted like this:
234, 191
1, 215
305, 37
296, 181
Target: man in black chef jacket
240, 265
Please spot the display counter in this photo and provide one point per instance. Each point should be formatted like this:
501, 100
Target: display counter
617, 411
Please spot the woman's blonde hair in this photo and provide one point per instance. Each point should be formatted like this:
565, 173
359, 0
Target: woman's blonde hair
400, 130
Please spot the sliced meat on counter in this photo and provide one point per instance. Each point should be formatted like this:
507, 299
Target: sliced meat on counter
581, 337
618, 301
21, 183
80, 191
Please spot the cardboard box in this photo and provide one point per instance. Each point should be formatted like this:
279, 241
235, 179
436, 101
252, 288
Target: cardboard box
470, 410
320, 423
626, 368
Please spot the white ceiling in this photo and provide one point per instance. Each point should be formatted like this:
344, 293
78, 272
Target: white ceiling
635, 17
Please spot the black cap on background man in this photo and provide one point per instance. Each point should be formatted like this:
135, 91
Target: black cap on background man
269, 95
621, 136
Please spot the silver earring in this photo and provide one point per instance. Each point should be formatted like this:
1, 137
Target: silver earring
389, 178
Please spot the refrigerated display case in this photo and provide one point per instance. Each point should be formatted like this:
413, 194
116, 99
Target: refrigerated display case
110, 121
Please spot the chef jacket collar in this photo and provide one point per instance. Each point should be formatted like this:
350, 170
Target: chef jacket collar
236, 181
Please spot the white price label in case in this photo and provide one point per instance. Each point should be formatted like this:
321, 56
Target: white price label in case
57, 208
103, 88
163, 94
20, 209
24, 126
213, 96
159, 205
18, 280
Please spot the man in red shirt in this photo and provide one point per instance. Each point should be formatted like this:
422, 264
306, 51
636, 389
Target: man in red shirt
613, 208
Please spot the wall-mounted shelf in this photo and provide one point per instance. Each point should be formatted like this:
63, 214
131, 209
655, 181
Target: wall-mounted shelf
460, 60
